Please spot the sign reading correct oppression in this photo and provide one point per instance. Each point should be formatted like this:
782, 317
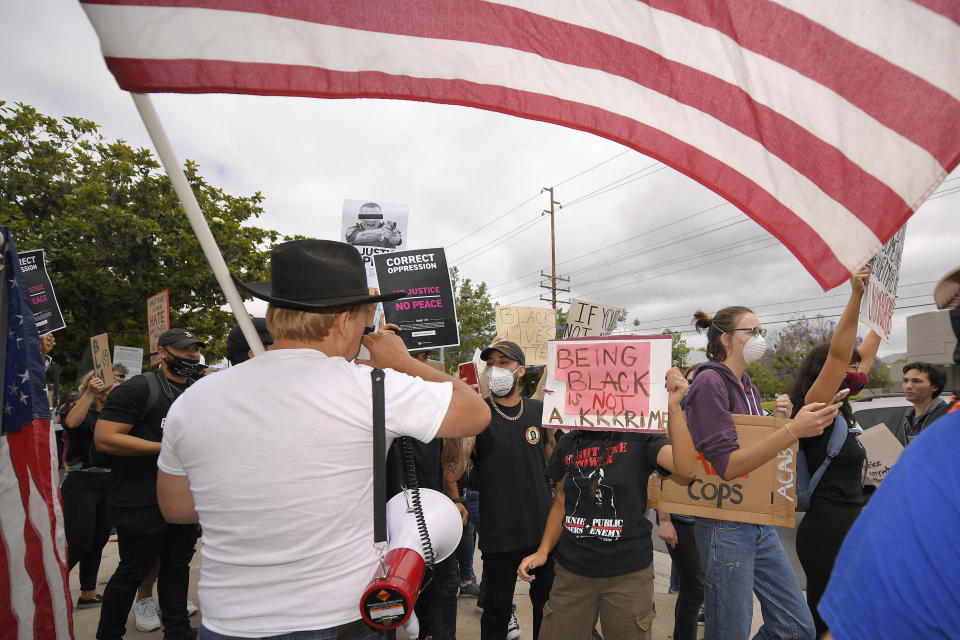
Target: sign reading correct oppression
609, 384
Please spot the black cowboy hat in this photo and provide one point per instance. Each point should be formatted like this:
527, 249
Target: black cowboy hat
314, 274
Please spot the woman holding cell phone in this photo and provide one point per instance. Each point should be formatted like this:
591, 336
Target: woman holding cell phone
828, 371
740, 559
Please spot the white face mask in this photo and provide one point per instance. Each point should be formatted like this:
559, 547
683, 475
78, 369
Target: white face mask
500, 381
754, 348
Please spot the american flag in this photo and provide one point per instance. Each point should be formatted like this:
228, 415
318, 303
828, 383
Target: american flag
829, 122
35, 597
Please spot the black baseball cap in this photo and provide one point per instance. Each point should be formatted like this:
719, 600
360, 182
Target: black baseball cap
510, 349
178, 338
237, 347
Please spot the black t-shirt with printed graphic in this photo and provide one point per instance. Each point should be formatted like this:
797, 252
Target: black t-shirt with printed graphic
514, 492
605, 532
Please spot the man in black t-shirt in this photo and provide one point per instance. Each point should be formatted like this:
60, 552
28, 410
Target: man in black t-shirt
511, 460
130, 428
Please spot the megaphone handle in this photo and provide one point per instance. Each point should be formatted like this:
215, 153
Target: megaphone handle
379, 460
413, 486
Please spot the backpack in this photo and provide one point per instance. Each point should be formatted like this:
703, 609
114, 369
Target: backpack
101, 459
807, 484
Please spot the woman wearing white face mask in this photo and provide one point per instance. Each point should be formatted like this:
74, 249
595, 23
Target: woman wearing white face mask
740, 559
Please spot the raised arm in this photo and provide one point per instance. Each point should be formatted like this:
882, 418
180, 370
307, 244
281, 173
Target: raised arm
841, 345
868, 351
680, 456
79, 411
467, 414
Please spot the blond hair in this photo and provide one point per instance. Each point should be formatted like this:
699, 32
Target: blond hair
296, 324
84, 382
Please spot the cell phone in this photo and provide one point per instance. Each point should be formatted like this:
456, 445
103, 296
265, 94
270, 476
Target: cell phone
843, 393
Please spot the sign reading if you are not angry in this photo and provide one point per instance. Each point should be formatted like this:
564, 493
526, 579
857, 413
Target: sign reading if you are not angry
611, 384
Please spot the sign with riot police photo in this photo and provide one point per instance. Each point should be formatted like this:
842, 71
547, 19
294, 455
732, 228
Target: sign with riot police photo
427, 317
374, 227
43, 301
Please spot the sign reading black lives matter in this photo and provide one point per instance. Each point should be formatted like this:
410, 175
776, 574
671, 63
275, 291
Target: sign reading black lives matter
427, 317
46, 310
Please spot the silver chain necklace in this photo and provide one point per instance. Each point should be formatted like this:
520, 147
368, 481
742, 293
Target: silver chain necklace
505, 416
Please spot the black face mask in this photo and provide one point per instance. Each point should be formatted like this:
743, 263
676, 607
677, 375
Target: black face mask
182, 367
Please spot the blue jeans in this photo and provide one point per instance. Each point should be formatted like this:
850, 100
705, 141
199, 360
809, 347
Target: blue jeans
318, 634
738, 560
469, 538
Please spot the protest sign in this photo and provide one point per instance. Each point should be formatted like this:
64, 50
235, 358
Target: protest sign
880, 298
43, 301
883, 450
766, 495
158, 321
589, 319
374, 228
529, 327
130, 357
102, 365
614, 383
427, 317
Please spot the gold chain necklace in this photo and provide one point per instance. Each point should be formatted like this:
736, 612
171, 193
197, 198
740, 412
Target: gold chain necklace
171, 390
505, 416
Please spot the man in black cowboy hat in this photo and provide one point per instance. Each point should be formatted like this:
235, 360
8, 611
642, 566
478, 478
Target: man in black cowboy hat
130, 428
274, 456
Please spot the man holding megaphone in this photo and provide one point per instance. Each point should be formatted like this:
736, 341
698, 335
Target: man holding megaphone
273, 456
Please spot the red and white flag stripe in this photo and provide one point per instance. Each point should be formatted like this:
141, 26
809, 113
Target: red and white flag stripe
829, 123
33, 550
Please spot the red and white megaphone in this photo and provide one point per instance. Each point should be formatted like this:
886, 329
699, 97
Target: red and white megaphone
389, 599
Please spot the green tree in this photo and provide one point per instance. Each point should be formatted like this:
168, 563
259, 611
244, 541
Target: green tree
768, 384
679, 350
114, 233
476, 319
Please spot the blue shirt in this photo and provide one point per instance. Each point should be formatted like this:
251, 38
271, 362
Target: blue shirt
898, 571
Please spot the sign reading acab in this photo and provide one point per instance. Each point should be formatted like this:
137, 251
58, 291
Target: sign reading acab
766, 495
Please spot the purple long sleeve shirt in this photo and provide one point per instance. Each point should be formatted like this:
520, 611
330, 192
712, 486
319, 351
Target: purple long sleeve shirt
708, 416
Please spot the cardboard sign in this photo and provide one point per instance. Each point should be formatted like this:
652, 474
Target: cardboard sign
130, 357
530, 327
158, 321
43, 301
611, 384
589, 319
880, 298
427, 316
766, 495
883, 451
102, 364
374, 227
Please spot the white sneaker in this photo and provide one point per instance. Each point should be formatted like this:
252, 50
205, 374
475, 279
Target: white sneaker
145, 611
192, 608
513, 627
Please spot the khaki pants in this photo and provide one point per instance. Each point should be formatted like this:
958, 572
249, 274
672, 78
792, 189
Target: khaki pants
624, 605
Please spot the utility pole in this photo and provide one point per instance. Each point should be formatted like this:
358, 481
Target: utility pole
554, 278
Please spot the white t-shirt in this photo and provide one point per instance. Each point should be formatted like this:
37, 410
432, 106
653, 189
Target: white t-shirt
278, 452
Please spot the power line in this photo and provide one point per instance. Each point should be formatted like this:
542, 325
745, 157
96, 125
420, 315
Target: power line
599, 164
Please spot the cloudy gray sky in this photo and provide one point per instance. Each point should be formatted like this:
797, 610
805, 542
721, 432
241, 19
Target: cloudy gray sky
630, 231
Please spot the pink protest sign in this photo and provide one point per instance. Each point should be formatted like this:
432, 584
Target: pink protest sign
608, 375
607, 383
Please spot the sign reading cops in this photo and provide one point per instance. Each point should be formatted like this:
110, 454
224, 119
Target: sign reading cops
427, 317
766, 495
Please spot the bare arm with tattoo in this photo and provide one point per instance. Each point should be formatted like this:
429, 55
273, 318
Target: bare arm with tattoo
456, 452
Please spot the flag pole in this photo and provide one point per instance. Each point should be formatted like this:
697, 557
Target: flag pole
195, 216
